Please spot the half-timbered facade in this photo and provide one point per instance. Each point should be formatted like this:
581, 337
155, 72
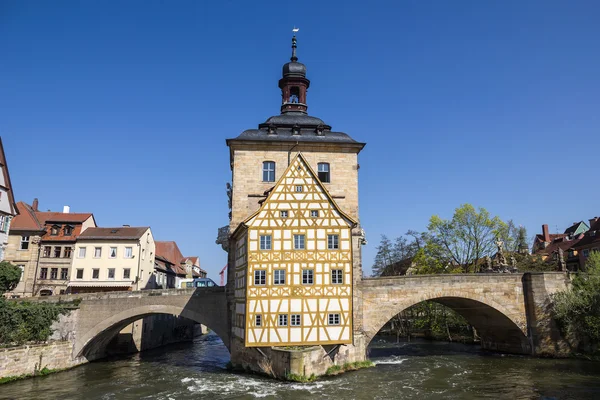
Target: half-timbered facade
294, 266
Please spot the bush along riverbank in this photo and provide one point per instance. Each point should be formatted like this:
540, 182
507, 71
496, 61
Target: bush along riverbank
577, 311
25, 330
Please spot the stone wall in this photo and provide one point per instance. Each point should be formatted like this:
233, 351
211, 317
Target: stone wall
279, 362
29, 359
543, 333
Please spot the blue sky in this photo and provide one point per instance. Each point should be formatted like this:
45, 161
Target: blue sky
122, 108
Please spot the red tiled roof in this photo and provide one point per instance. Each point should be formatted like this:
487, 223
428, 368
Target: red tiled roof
169, 250
561, 243
48, 217
540, 238
26, 220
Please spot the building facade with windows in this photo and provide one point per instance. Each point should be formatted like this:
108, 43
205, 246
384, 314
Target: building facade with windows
113, 259
41, 244
295, 236
8, 207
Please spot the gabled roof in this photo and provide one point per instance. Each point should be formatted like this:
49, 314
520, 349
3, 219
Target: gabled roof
50, 217
170, 251
298, 162
591, 237
26, 220
9, 189
118, 233
573, 228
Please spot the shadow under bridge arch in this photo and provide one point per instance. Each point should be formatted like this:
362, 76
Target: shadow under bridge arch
499, 327
92, 342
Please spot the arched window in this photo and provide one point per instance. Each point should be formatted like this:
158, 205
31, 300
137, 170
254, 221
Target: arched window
268, 171
323, 169
294, 94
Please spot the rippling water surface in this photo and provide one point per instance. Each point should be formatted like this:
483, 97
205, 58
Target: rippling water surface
420, 370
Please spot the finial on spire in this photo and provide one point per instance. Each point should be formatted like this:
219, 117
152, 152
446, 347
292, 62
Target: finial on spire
294, 57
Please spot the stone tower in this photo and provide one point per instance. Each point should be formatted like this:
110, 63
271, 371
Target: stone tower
259, 157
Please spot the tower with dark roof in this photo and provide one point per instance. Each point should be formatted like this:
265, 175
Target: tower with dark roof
294, 230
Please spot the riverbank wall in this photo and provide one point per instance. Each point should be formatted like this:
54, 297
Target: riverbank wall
29, 360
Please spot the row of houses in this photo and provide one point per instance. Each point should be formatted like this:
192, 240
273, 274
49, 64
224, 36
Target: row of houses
65, 252
572, 247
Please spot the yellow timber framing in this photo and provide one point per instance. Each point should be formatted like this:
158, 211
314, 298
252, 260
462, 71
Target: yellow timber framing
317, 300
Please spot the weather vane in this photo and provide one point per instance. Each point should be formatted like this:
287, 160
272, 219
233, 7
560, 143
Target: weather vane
295, 29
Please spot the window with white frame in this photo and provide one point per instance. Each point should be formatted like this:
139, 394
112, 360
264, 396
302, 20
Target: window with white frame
283, 214
79, 273
299, 188
258, 320
282, 320
111, 273
128, 252
81, 253
3, 223
307, 276
337, 276
295, 319
314, 213
333, 319
126, 273
279, 277
24, 242
265, 242
333, 242
269, 171
323, 172
298, 242
97, 252
95, 273
113, 252
260, 277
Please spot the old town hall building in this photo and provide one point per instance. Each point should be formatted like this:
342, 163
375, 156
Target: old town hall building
295, 236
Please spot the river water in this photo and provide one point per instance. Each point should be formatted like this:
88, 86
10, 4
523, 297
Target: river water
419, 370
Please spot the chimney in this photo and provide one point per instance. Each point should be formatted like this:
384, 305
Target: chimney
545, 233
66, 209
34, 205
593, 221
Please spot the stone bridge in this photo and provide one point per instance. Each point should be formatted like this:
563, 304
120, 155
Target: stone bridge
102, 315
509, 311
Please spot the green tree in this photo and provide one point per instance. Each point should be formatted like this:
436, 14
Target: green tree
468, 236
578, 309
10, 275
384, 256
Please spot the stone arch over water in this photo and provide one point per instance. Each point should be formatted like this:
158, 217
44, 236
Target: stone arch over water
495, 306
91, 342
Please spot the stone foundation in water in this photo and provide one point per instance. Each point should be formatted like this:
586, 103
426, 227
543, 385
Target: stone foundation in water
297, 361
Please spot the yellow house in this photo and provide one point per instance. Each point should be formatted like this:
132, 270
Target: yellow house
113, 259
293, 269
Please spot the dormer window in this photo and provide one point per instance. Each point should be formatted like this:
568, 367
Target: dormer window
268, 171
54, 230
272, 129
295, 130
68, 230
323, 171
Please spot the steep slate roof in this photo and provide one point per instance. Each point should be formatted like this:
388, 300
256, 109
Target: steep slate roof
119, 233
9, 190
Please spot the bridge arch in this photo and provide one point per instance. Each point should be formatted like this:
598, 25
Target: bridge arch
90, 343
497, 314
